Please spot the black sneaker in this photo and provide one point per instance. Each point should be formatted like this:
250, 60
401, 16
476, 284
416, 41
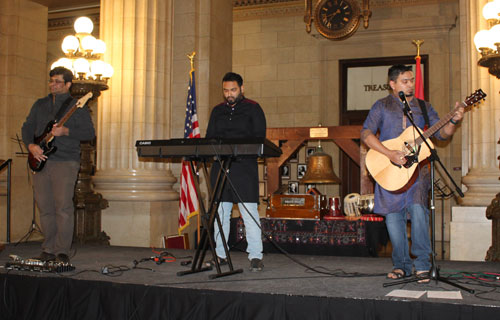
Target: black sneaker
45, 257
256, 265
61, 257
211, 263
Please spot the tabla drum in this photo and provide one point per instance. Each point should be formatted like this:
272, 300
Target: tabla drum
351, 205
366, 203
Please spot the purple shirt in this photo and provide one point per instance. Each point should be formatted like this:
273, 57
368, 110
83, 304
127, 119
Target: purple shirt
386, 116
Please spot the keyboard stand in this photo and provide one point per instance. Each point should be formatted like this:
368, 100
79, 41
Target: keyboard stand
208, 218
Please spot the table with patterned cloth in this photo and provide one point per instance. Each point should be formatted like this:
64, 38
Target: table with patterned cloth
339, 236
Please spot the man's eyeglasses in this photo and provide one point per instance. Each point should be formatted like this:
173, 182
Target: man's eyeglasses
56, 81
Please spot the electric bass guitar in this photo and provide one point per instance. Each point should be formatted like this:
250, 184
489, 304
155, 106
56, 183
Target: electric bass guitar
393, 177
46, 139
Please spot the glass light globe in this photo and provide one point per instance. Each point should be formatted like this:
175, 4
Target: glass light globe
88, 43
494, 35
83, 25
482, 40
97, 67
491, 10
108, 71
99, 47
64, 62
70, 44
81, 65
54, 64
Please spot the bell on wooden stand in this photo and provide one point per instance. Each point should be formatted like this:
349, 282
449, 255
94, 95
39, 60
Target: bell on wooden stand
320, 168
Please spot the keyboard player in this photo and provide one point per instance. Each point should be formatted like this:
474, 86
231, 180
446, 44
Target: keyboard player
238, 117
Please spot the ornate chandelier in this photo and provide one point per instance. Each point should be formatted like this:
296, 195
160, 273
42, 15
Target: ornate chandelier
488, 41
83, 57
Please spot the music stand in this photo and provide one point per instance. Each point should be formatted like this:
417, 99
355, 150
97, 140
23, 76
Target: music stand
443, 192
434, 270
34, 226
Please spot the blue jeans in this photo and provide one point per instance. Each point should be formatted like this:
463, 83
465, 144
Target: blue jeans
420, 248
253, 232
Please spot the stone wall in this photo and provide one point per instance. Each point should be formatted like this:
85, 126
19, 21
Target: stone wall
23, 39
295, 75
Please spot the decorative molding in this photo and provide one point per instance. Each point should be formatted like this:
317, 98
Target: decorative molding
67, 21
253, 9
246, 3
373, 3
289, 8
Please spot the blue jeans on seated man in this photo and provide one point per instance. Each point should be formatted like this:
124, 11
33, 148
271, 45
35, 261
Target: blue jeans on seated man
253, 231
420, 248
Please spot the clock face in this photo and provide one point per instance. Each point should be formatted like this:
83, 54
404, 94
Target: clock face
337, 19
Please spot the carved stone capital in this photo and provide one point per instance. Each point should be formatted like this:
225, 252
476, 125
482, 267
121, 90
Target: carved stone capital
136, 185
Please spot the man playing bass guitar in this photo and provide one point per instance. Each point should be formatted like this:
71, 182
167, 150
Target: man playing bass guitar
54, 185
386, 116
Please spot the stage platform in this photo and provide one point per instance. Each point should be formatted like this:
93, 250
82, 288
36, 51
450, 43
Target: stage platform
105, 285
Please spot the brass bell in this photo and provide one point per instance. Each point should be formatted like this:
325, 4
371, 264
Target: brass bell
320, 169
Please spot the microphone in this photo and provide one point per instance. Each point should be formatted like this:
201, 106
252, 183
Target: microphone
402, 97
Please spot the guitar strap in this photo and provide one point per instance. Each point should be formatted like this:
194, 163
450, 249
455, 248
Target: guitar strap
63, 108
424, 113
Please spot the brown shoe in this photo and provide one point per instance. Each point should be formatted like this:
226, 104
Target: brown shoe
45, 257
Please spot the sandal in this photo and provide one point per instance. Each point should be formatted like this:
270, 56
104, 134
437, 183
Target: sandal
423, 276
396, 274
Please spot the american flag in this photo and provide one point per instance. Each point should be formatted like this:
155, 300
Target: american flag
188, 204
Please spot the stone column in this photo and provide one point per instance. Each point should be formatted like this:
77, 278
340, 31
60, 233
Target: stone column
147, 46
480, 131
481, 127
138, 35
23, 75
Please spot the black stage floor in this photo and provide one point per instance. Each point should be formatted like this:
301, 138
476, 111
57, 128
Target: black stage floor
105, 285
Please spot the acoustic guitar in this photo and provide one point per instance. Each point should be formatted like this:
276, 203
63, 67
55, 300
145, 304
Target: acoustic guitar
46, 139
393, 177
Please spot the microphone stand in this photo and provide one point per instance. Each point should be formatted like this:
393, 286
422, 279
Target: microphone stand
434, 270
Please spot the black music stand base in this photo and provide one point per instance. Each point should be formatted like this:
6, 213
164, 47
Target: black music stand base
433, 276
212, 276
33, 228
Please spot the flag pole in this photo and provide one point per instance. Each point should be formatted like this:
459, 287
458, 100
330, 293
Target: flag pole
419, 82
198, 221
191, 60
418, 43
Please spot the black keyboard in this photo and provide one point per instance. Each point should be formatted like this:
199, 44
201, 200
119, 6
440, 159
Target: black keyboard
205, 148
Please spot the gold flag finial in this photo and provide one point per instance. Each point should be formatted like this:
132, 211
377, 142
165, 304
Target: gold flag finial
418, 43
191, 59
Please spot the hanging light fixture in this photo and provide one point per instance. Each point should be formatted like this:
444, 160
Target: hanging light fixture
83, 53
487, 42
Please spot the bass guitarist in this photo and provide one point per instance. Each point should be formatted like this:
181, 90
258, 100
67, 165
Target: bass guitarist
54, 185
386, 117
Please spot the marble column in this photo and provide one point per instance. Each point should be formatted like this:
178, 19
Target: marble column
470, 230
481, 126
138, 35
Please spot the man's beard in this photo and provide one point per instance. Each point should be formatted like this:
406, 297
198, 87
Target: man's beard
232, 101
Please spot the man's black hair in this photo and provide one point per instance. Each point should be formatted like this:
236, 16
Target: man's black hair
66, 73
231, 76
396, 70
